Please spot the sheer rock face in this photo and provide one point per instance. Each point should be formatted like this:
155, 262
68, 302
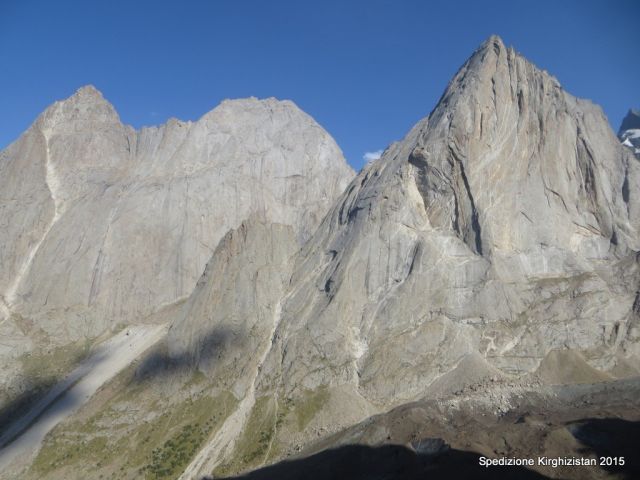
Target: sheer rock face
102, 224
505, 223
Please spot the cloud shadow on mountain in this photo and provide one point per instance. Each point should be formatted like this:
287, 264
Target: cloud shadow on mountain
153, 364
40, 400
158, 361
22, 403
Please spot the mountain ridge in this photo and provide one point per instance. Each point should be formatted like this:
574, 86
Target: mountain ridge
105, 225
497, 240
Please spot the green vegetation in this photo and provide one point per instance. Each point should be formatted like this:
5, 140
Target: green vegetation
68, 449
169, 443
43, 369
309, 405
136, 434
258, 443
258, 432
54, 363
197, 378
171, 458
253, 445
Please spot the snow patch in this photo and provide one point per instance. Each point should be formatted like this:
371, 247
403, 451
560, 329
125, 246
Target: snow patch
631, 133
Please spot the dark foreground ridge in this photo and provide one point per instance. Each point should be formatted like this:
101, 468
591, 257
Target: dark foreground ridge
430, 440
609, 437
389, 462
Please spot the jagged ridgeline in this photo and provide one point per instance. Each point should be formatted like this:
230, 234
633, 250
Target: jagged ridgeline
497, 240
105, 226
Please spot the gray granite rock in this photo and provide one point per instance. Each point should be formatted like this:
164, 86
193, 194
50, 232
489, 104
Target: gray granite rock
503, 227
505, 223
102, 225
501, 231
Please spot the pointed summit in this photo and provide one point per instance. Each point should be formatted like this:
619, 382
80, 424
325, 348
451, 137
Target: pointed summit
493, 42
87, 95
87, 108
497, 106
629, 133
468, 236
88, 91
495, 76
631, 121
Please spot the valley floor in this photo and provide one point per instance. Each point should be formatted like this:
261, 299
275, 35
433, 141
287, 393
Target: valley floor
154, 424
22, 439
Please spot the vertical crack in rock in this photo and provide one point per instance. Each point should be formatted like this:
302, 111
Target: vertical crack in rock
475, 243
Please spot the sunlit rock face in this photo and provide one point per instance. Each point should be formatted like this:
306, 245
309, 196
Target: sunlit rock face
503, 227
103, 225
498, 239
505, 223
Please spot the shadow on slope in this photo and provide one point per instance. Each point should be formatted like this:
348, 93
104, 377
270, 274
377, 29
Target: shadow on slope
158, 362
41, 404
611, 438
30, 405
388, 462
44, 394
42, 369
18, 406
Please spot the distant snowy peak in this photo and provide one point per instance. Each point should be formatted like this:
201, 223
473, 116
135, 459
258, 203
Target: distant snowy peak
629, 132
630, 121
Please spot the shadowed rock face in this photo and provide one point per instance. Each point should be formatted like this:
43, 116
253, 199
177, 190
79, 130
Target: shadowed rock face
103, 225
505, 223
388, 462
629, 133
631, 121
446, 439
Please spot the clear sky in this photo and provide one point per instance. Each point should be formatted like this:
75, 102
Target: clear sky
365, 70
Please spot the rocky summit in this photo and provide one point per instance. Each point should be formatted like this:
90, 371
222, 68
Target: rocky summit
505, 223
104, 226
481, 276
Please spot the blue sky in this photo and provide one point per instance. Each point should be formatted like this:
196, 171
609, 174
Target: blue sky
365, 70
